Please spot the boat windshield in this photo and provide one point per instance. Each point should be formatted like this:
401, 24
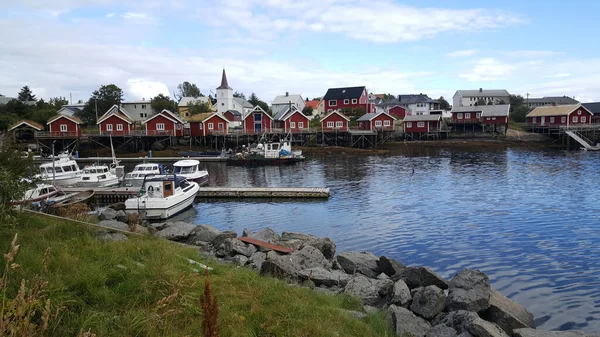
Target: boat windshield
185, 169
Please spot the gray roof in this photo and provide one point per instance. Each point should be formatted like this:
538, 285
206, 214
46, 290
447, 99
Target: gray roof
243, 102
279, 111
185, 101
486, 110
422, 118
483, 93
283, 99
408, 99
593, 107
367, 117
553, 99
234, 112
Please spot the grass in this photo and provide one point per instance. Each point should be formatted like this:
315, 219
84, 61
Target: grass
146, 287
516, 125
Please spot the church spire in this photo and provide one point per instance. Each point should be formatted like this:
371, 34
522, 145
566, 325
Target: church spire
224, 84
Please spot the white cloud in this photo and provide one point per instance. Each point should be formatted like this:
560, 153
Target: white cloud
559, 75
146, 89
135, 15
488, 69
462, 53
109, 15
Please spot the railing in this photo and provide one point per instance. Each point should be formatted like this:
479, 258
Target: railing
53, 134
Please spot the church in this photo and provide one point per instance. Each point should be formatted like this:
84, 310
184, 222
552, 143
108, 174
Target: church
226, 101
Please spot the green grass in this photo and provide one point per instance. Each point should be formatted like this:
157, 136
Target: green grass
516, 125
113, 289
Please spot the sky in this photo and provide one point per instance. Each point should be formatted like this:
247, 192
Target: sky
71, 47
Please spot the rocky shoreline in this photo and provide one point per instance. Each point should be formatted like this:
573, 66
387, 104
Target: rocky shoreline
418, 301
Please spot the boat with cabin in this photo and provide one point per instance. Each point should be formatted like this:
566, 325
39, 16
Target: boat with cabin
97, 176
135, 178
37, 194
190, 170
264, 152
61, 171
162, 196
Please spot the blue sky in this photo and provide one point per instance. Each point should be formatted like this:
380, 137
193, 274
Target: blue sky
62, 47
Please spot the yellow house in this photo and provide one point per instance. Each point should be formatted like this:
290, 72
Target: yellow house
182, 106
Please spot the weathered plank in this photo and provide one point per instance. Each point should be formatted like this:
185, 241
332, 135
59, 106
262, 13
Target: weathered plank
265, 244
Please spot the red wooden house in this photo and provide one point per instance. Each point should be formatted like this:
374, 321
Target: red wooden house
350, 98
422, 123
257, 121
398, 112
335, 121
381, 121
116, 121
206, 124
291, 120
560, 115
233, 116
165, 123
64, 126
467, 114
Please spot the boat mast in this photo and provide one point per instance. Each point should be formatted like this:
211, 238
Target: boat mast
53, 165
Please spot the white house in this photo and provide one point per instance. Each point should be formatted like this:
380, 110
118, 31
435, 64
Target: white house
138, 110
287, 100
226, 101
471, 97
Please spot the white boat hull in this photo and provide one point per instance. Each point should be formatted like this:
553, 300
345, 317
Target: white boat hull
62, 181
199, 177
161, 208
103, 183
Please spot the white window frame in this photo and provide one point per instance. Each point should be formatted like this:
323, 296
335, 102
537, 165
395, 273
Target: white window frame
109, 127
329, 110
119, 127
63, 128
201, 126
332, 102
583, 119
160, 126
420, 124
300, 125
292, 125
579, 112
467, 115
478, 115
330, 124
346, 101
221, 126
386, 122
378, 124
459, 115
493, 118
339, 124
211, 126
551, 119
575, 119
563, 119
354, 101
408, 125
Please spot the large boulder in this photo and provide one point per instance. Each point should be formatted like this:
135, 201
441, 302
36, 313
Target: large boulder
265, 234
483, 328
428, 302
469, 290
371, 291
528, 332
279, 267
309, 257
176, 231
389, 266
204, 233
157, 146
469, 323
416, 277
231, 247
257, 259
400, 293
405, 323
114, 224
108, 214
240, 260
118, 206
288, 266
323, 277
113, 237
218, 240
294, 244
325, 245
121, 216
441, 331
507, 314
361, 262
286, 236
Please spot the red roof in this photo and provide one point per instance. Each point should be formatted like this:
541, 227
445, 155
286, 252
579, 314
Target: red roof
313, 103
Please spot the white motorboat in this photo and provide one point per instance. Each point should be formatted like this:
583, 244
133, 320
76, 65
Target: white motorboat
136, 177
39, 193
61, 171
162, 197
97, 176
189, 169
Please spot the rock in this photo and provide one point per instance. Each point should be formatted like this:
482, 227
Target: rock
420, 277
108, 214
383, 276
482, 328
428, 302
287, 236
469, 290
257, 259
265, 234
400, 293
240, 260
295, 244
370, 291
370, 310
203, 246
441, 331
389, 266
114, 224
507, 314
528, 332
218, 240
157, 146
116, 237
232, 247
142, 230
465, 334
405, 323
288, 266
327, 291
357, 314
307, 284
176, 231
325, 245
272, 254
157, 226
458, 320
279, 268
121, 216
323, 277
118, 206
309, 257
362, 262
206, 233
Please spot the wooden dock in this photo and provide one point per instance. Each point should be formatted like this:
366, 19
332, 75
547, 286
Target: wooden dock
142, 159
107, 195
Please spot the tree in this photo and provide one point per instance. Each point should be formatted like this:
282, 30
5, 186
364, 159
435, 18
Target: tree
58, 102
443, 103
239, 94
515, 101
195, 108
187, 89
519, 113
16, 173
161, 102
213, 100
388, 96
480, 101
308, 110
26, 95
254, 100
104, 98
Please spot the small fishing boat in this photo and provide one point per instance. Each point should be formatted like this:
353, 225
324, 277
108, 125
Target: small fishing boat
190, 170
73, 198
37, 194
61, 171
97, 176
265, 152
135, 178
162, 197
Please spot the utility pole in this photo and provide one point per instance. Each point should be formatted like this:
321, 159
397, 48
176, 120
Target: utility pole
527, 102
96, 105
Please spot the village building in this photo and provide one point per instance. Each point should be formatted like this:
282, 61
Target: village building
481, 118
64, 126
418, 105
424, 127
473, 97
594, 108
560, 115
314, 104
257, 121
138, 111
116, 121
165, 123
234, 117
291, 120
226, 101
285, 101
380, 121
351, 100
207, 124
25, 129
335, 121
185, 102
551, 100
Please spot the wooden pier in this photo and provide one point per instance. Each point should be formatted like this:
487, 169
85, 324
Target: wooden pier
141, 159
107, 195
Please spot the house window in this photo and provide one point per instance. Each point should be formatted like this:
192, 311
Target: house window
551, 119
119, 127
143, 106
201, 126
409, 124
160, 126
468, 115
141, 115
332, 102
135, 106
478, 115
583, 119
459, 116
300, 125
575, 119
220, 126
346, 101
377, 124
63, 128
257, 117
420, 124
293, 125
329, 124
386, 123
329, 110
108, 127
354, 101
579, 112
211, 126
563, 120
339, 124
493, 118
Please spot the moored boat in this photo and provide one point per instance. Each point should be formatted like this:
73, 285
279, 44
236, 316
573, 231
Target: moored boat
190, 170
73, 198
266, 153
135, 178
97, 176
163, 196
61, 171
37, 194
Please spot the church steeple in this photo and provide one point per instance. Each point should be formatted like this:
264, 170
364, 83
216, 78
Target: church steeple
224, 84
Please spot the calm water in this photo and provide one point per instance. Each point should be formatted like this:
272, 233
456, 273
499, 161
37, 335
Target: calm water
530, 219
